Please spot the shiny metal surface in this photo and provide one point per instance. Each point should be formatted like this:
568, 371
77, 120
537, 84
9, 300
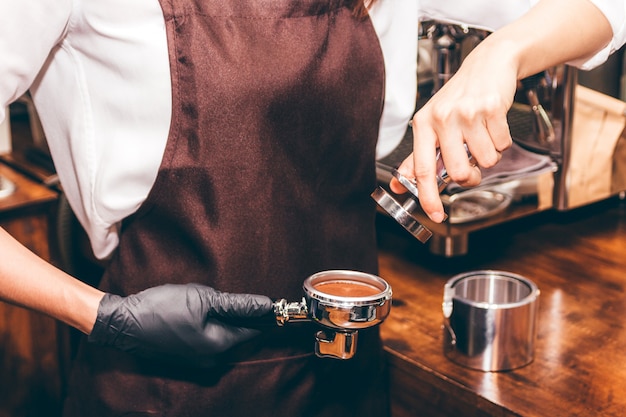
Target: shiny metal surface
543, 130
294, 311
347, 313
449, 246
339, 345
490, 320
340, 316
561, 151
473, 205
7, 187
404, 213
449, 45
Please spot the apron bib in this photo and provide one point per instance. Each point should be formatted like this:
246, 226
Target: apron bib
265, 180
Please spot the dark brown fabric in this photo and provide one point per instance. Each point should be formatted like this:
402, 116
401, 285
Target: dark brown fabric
265, 180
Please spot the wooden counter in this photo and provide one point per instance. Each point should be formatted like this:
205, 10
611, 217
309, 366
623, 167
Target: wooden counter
27, 193
578, 261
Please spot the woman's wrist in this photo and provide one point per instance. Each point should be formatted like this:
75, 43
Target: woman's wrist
87, 300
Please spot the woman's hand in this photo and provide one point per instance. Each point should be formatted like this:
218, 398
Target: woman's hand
469, 109
188, 324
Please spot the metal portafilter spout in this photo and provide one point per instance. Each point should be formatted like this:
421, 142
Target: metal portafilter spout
342, 302
403, 213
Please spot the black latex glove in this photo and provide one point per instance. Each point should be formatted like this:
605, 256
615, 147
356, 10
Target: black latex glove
184, 323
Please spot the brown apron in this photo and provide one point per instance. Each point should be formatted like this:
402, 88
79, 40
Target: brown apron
265, 180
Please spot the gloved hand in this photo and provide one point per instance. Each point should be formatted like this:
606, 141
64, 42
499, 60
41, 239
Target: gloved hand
184, 323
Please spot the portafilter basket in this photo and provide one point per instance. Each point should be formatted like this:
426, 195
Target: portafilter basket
342, 302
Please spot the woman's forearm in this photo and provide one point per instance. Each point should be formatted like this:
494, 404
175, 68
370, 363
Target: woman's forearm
29, 281
551, 33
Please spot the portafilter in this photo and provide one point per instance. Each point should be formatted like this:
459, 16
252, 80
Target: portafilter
341, 302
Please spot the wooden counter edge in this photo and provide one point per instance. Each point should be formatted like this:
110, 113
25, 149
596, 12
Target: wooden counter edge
27, 193
417, 390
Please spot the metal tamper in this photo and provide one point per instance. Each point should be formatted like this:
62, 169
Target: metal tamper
403, 213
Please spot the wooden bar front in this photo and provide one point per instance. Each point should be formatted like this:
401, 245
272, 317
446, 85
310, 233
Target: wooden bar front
578, 261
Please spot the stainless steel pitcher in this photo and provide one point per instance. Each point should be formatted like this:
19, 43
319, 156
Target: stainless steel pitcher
490, 320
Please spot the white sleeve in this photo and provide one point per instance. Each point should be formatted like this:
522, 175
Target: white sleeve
29, 30
615, 12
395, 22
481, 14
491, 15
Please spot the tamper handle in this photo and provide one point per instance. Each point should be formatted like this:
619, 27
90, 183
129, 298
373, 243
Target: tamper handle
443, 179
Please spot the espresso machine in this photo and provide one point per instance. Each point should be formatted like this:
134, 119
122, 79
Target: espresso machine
533, 176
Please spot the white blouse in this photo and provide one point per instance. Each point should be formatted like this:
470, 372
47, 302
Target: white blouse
99, 74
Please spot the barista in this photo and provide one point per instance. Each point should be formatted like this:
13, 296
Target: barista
228, 145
